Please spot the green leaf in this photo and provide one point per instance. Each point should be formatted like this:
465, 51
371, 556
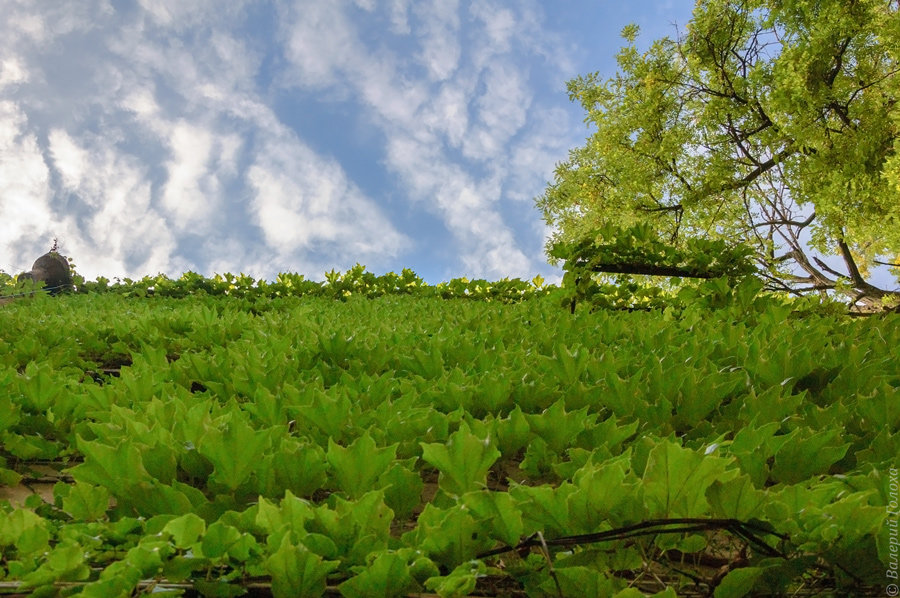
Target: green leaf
512, 432
736, 499
181, 568
85, 501
64, 563
753, 446
300, 469
116, 468
676, 479
738, 582
218, 539
232, 464
402, 490
293, 512
594, 503
449, 536
544, 508
357, 527
387, 576
185, 530
558, 428
328, 415
218, 589
463, 461
539, 461
497, 508
25, 530
461, 581
579, 581
296, 572
8, 477
155, 498
357, 467
802, 458
9, 413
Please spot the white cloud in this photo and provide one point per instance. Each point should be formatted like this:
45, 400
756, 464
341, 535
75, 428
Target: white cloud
26, 217
168, 140
180, 14
12, 72
499, 24
72, 163
447, 113
366, 5
400, 17
304, 203
141, 102
191, 192
439, 37
544, 142
501, 110
475, 101
320, 43
121, 231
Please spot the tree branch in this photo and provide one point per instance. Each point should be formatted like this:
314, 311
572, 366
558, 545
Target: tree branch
855, 275
828, 269
650, 270
796, 223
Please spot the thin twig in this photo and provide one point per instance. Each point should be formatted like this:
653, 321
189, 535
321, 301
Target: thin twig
546, 552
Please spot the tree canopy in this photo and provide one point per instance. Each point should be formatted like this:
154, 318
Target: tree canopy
769, 123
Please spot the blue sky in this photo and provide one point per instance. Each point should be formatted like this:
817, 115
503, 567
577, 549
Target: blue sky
267, 136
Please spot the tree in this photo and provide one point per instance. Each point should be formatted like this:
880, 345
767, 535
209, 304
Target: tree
771, 123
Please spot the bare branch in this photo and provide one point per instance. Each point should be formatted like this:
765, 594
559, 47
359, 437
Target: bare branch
828, 269
649, 270
855, 275
797, 223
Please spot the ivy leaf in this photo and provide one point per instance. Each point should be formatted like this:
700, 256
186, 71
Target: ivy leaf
84, 501
461, 581
185, 530
544, 508
234, 451
676, 480
116, 468
579, 581
802, 458
505, 519
387, 576
593, 501
296, 572
300, 469
463, 461
559, 428
402, 490
512, 432
738, 582
753, 446
218, 539
154, 498
327, 416
9, 413
357, 467
357, 528
736, 498
449, 536
293, 512
64, 563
